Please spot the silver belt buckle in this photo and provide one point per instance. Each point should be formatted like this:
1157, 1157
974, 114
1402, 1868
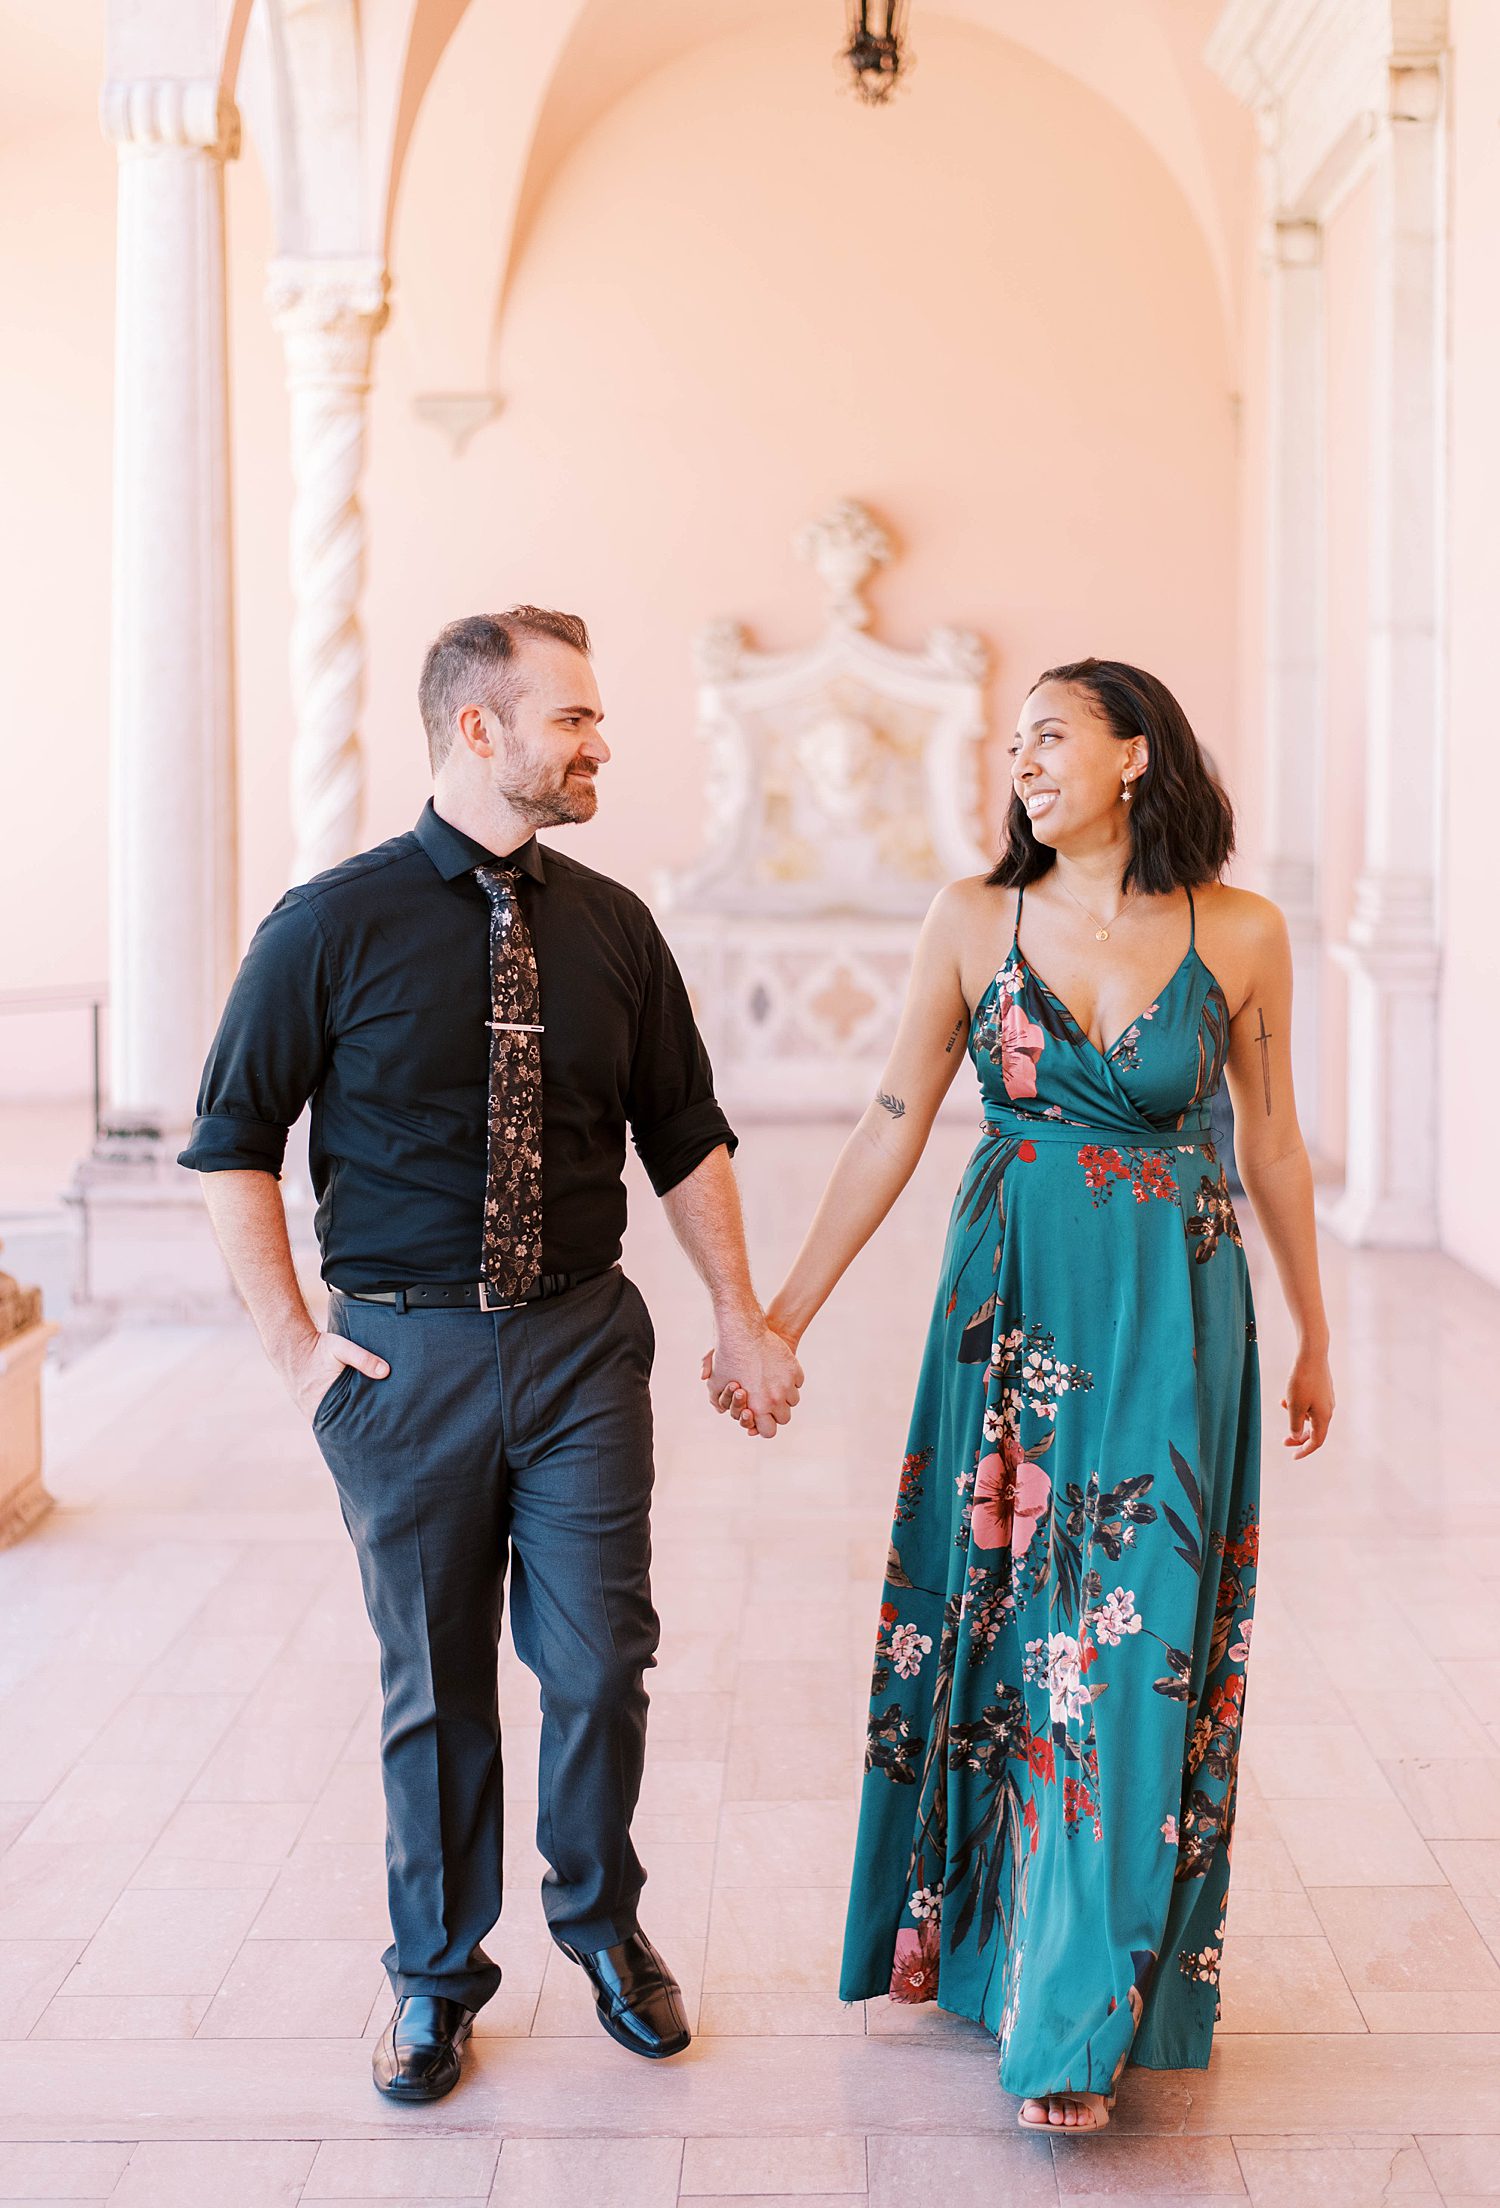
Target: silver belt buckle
485, 1303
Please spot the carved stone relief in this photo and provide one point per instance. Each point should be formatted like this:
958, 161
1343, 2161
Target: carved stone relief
842, 791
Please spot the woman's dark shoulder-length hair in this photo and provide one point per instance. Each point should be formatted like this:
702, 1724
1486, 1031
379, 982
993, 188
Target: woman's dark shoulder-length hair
1181, 821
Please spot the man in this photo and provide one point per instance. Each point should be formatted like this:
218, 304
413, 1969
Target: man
475, 1021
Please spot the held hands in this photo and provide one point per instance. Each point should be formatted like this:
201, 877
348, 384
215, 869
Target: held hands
752, 1371
311, 1369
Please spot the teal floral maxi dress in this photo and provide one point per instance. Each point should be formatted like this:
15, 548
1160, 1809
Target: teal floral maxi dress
1060, 1666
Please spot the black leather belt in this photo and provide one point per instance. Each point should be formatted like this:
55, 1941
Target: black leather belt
467, 1295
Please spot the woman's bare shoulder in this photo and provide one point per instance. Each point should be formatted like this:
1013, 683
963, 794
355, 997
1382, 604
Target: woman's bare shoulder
1242, 937
973, 898
1242, 914
974, 889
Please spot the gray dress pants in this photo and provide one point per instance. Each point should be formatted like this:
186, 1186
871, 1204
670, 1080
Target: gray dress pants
520, 1436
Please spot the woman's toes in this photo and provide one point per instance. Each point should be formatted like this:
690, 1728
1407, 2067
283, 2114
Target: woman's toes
1065, 2111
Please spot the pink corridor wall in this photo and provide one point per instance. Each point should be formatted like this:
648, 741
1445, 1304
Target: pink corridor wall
988, 313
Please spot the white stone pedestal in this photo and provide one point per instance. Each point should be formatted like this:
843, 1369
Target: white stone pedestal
146, 1248
147, 1251
23, 1499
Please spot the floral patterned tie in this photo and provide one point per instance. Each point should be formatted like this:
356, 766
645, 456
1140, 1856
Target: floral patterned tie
511, 1259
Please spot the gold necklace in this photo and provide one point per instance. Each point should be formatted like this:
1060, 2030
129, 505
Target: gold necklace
1101, 932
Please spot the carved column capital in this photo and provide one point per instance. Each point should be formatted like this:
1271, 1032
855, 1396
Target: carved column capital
144, 115
329, 314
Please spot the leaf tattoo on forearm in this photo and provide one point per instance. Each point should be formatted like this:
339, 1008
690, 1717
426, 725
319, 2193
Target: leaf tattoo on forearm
895, 1105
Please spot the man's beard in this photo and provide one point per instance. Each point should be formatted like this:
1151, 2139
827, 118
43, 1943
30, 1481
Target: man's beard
554, 804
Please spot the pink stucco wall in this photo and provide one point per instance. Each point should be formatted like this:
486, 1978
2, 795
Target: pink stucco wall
57, 279
705, 341
989, 313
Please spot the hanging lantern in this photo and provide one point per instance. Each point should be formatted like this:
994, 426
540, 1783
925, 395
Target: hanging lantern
876, 54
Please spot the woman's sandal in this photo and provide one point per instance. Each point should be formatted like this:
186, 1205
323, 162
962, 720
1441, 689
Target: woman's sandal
1092, 2117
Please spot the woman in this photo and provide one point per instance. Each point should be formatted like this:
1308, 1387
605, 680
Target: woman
1060, 1664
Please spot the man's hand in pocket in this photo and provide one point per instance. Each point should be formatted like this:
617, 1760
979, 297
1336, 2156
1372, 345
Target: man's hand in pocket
311, 1371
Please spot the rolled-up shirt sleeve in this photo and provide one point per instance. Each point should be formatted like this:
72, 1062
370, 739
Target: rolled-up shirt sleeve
271, 1048
675, 1118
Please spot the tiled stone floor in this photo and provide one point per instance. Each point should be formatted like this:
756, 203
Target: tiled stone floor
191, 1905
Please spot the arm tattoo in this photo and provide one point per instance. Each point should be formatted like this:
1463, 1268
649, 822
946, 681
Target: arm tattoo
895, 1105
1264, 1041
958, 1028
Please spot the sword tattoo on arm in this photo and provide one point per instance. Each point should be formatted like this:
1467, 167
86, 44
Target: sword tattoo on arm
1264, 1041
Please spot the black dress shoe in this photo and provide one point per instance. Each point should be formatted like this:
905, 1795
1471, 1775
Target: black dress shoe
422, 2052
638, 1999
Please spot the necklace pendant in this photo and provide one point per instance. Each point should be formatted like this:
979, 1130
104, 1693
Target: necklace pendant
1101, 935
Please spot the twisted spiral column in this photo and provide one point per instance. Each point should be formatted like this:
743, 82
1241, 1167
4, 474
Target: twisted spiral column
329, 315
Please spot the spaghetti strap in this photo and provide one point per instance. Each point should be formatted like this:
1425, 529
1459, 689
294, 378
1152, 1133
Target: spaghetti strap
1192, 918
1015, 933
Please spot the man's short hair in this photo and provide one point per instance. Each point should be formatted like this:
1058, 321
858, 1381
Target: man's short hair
473, 662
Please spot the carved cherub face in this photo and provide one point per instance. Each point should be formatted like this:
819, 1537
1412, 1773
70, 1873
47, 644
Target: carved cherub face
835, 754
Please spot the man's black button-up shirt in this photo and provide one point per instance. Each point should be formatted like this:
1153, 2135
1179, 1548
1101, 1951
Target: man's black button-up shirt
367, 991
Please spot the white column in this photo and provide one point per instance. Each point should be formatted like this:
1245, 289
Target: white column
1293, 734
329, 314
172, 764
1392, 951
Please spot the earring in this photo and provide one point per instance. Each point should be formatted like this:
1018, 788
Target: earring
1125, 789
